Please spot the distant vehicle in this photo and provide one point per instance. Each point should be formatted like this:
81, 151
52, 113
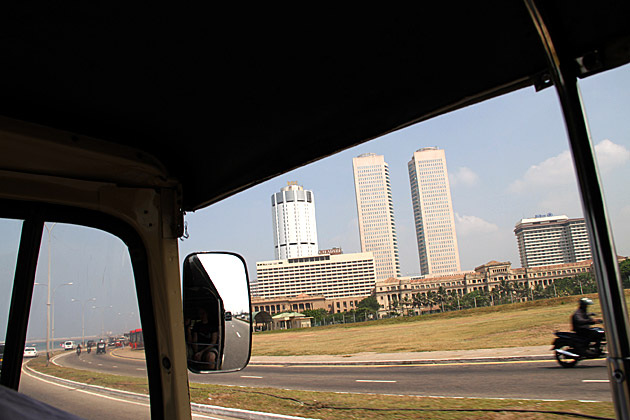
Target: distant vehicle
68, 345
228, 316
91, 343
30, 352
100, 348
1, 354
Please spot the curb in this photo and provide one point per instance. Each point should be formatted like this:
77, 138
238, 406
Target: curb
401, 362
488, 359
195, 407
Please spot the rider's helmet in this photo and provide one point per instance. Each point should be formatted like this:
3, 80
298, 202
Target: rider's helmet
584, 302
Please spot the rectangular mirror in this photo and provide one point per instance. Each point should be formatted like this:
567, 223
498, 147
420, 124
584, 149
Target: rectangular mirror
217, 317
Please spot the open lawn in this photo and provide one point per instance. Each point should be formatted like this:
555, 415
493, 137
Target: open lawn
515, 325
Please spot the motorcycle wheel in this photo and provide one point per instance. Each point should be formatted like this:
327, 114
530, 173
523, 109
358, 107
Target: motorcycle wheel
565, 361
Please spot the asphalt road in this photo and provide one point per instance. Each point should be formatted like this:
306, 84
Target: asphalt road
82, 403
237, 344
88, 404
521, 379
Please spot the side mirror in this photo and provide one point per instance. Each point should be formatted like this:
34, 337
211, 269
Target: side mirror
217, 318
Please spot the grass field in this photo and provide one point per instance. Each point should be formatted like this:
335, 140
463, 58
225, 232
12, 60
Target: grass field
520, 324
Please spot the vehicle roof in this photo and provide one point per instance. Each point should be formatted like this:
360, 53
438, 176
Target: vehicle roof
224, 99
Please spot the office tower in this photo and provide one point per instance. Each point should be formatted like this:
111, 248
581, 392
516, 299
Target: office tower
294, 228
433, 212
333, 276
377, 230
548, 240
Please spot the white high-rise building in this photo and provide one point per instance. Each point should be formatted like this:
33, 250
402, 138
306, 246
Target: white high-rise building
294, 227
375, 207
549, 240
433, 212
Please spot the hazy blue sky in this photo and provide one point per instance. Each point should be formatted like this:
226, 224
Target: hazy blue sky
507, 159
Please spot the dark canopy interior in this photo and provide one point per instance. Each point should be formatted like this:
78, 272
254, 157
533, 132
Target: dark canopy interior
226, 99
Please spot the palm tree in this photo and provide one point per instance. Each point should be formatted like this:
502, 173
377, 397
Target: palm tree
416, 301
442, 296
454, 299
522, 291
431, 300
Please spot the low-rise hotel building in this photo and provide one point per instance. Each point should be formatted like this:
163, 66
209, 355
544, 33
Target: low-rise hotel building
330, 276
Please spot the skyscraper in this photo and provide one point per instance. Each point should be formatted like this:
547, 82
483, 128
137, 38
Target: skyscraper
548, 240
433, 212
377, 230
294, 227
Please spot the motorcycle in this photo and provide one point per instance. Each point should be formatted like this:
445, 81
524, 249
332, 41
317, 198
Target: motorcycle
570, 348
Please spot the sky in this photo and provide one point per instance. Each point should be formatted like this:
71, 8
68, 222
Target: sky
507, 158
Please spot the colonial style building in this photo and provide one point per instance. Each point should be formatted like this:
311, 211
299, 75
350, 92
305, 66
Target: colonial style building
485, 277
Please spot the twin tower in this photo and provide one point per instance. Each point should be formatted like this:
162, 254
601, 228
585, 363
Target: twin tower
295, 230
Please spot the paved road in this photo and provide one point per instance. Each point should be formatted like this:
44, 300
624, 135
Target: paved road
84, 404
90, 405
530, 379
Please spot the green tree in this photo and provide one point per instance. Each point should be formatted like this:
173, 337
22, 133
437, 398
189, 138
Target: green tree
430, 300
318, 314
369, 303
442, 297
624, 269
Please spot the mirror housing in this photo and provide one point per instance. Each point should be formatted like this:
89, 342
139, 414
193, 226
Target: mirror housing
217, 315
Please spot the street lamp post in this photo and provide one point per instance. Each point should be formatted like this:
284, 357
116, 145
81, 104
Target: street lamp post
83, 319
53, 309
49, 229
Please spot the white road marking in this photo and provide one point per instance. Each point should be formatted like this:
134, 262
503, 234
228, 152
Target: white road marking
374, 380
595, 381
239, 336
140, 369
251, 377
86, 392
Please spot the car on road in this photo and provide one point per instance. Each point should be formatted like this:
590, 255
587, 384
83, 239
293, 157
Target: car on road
228, 316
68, 345
30, 352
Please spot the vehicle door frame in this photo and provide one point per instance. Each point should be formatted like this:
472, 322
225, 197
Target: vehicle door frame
146, 270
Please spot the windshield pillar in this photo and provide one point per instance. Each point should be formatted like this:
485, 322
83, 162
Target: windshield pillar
563, 72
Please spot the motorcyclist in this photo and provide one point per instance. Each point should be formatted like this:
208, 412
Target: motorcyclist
582, 322
79, 350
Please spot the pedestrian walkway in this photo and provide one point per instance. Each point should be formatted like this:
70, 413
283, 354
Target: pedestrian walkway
402, 358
